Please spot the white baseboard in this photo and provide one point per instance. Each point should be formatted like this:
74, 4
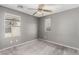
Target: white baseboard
17, 45
60, 44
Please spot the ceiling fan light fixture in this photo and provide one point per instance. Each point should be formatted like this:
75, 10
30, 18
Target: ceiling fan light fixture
20, 6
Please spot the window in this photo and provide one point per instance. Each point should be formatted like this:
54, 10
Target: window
12, 25
47, 24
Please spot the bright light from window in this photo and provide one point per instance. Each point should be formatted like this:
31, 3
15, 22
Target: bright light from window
12, 25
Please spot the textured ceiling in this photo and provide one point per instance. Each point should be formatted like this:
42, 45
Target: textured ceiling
54, 7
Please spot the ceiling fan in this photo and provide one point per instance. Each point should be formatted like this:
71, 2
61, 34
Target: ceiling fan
41, 9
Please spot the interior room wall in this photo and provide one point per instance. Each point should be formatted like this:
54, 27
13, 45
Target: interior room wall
64, 28
28, 28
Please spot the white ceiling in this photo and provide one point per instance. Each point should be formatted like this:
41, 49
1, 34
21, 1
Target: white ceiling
54, 7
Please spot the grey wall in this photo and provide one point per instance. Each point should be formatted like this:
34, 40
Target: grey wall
28, 28
65, 28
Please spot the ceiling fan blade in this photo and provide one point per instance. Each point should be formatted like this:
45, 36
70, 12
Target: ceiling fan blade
35, 12
47, 10
32, 9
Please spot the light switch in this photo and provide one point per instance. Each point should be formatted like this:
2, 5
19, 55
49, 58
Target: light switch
11, 42
16, 40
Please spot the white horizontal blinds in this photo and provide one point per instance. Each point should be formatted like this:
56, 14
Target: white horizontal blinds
12, 25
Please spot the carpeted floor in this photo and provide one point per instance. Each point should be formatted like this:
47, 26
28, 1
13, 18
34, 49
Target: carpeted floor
37, 47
